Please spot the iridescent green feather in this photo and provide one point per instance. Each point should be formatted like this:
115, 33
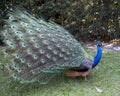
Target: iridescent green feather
37, 50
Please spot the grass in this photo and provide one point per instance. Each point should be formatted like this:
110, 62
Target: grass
105, 76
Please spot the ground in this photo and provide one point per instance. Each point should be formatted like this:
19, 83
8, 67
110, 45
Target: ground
104, 80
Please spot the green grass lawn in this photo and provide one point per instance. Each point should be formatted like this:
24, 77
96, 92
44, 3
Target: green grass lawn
105, 76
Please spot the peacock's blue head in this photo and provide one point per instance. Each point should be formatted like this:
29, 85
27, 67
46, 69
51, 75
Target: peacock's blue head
99, 44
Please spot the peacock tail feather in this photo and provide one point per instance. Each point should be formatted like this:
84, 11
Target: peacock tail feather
36, 50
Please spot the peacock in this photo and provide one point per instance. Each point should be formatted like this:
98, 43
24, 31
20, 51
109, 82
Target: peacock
37, 50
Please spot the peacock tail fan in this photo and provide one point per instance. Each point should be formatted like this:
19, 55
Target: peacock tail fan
37, 50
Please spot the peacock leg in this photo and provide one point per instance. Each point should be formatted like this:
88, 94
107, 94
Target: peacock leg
86, 78
84, 74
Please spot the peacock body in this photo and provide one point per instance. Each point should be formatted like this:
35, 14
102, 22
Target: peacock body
36, 50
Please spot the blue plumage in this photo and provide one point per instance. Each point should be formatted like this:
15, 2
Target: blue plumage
98, 56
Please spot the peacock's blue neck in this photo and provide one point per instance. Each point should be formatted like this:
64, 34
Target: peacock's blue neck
98, 56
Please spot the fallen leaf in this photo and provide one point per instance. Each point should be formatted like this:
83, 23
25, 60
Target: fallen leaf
98, 89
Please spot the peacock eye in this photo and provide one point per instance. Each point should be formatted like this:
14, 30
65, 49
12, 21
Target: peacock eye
33, 71
38, 29
21, 37
6, 51
29, 64
17, 56
24, 45
22, 60
48, 55
9, 67
54, 59
11, 44
13, 27
29, 51
11, 17
30, 31
35, 56
5, 34
43, 60
42, 51
45, 42
14, 75
19, 69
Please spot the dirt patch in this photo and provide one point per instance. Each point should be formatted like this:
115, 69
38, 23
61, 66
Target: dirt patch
105, 46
